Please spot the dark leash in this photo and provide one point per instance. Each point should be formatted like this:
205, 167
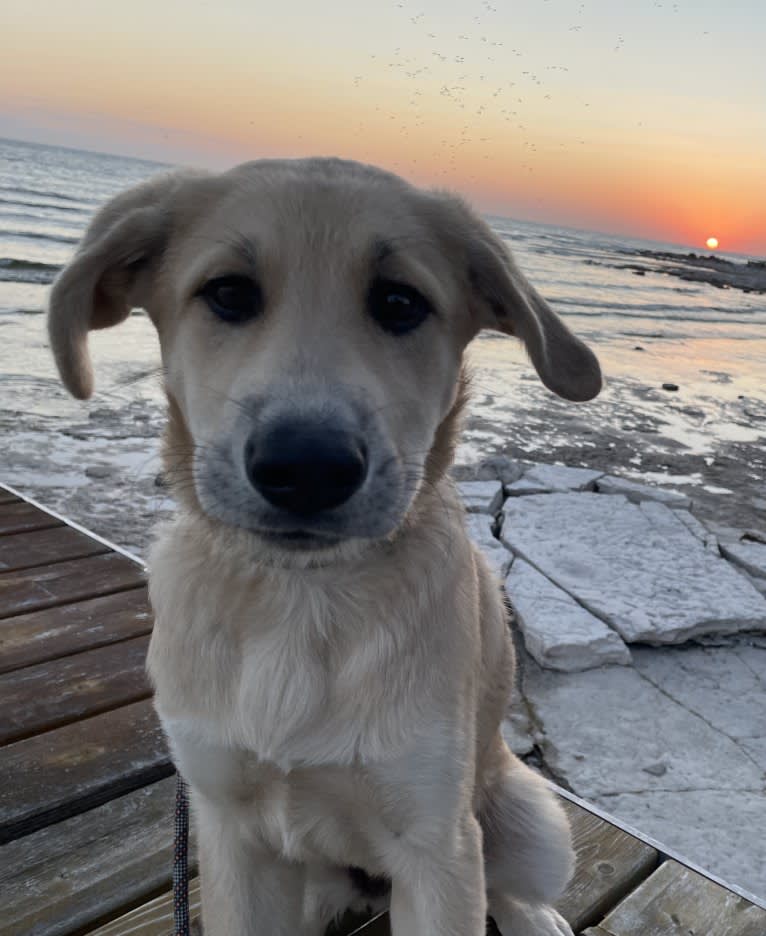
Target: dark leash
181, 860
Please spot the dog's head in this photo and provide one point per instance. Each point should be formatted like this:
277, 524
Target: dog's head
312, 316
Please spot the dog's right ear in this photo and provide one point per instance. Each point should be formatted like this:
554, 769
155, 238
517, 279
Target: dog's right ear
109, 275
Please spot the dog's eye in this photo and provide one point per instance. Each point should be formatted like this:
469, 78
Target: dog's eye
397, 308
234, 299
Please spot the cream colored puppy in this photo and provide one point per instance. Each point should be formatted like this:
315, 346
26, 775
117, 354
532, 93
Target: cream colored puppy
331, 654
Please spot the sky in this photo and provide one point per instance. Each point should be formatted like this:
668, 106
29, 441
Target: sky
645, 118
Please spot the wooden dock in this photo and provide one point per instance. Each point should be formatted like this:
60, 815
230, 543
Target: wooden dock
86, 785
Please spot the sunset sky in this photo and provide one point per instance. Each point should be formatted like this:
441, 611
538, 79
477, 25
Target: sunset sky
644, 118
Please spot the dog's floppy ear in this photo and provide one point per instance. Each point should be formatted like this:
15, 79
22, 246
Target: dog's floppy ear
503, 299
108, 275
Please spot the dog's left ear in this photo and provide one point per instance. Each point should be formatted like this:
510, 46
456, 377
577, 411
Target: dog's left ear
110, 274
501, 298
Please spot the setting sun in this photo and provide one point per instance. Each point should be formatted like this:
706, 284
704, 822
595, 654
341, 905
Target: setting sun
712, 243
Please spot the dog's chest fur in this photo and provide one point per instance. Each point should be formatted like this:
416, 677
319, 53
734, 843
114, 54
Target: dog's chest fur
298, 669
297, 696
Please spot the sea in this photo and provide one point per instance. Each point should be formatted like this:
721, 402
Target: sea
647, 329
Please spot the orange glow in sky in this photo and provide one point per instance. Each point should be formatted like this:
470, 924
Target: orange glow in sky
596, 115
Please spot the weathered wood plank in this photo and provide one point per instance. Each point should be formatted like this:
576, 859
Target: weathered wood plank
19, 517
49, 585
58, 774
91, 867
65, 629
676, 901
7, 498
40, 698
610, 864
40, 547
152, 919
155, 918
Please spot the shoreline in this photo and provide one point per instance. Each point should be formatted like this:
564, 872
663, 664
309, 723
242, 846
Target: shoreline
749, 276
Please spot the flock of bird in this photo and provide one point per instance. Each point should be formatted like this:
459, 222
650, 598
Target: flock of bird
476, 93
475, 82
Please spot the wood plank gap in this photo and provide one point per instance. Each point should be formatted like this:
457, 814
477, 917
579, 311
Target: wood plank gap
76, 651
77, 767
14, 831
66, 582
40, 698
98, 710
42, 636
35, 548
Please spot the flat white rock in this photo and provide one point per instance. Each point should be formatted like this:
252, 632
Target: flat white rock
479, 528
524, 486
749, 555
562, 477
675, 747
602, 726
608, 484
637, 567
559, 633
693, 525
481, 496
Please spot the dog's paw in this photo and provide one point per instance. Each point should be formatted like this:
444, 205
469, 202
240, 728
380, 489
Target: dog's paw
514, 918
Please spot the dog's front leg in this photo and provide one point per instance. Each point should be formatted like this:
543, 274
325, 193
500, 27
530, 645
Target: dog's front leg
438, 885
246, 888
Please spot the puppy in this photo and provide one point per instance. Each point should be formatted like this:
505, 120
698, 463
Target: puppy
330, 655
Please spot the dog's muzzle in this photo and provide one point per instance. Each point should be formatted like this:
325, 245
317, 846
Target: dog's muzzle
305, 468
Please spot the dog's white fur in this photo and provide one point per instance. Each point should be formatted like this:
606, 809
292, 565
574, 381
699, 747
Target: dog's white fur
336, 703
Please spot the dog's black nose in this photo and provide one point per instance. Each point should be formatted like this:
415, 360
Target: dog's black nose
305, 469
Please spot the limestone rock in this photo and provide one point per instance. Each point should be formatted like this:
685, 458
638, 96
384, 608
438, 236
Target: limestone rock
608, 733
621, 721
749, 555
481, 496
724, 685
558, 632
708, 539
523, 486
479, 528
608, 484
562, 478
499, 467
637, 567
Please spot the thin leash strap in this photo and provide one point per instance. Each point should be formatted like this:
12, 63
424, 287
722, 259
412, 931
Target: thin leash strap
181, 860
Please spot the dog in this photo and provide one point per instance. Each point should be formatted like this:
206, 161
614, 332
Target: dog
331, 656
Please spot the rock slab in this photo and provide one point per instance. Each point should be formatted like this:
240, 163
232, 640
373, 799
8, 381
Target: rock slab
751, 556
481, 496
479, 528
608, 484
559, 633
562, 477
637, 567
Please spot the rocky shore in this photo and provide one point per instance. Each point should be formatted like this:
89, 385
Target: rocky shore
642, 653
749, 276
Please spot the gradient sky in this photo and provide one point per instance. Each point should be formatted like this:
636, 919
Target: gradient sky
644, 118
